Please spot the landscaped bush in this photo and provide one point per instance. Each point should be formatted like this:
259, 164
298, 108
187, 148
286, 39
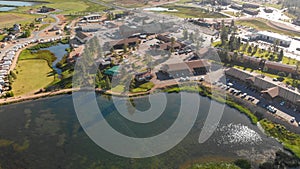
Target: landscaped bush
243, 164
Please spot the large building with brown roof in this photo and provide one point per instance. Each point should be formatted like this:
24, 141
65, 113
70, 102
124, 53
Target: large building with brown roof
279, 67
81, 37
129, 42
187, 69
270, 90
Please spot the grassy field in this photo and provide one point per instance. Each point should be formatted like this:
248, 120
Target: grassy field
191, 12
77, 7
289, 61
7, 19
118, 89
290, 140
2, 37
261, 24
32, 75
41, 54
67, 7
143, 88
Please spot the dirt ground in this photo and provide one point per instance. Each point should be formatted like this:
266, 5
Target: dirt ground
4, 18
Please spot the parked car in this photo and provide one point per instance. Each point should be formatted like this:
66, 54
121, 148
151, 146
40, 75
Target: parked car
271, 109
230, 84
238, 92
292, 120
282, 103
244, 95
201, 78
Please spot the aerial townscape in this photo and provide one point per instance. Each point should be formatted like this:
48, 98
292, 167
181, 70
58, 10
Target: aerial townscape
242, 54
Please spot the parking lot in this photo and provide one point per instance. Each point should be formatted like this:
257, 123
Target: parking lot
250, 94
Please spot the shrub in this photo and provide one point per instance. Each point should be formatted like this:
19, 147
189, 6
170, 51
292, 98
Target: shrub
243, 164
282, 74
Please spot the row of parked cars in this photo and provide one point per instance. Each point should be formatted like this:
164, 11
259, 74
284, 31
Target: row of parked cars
183, 51
5, 64
271, 109
185, 79
233, 91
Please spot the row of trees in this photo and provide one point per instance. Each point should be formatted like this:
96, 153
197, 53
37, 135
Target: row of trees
230, 42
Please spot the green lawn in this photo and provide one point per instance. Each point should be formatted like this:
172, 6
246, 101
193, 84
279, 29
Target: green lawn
2, 36
191, 12
41, 54
118, 89
143, 88
261, 24
178, 89
289, 61
32, 75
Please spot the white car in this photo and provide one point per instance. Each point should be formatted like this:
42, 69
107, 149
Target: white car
182, 79
229, 84
272, 109
202, 78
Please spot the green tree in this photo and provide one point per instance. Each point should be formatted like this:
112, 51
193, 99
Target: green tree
197, 34
281, 74
172, 43
191, 37
107, 83
232, 24
280, 56
185, 34
249, 50
26, 34
13, 75
255, 49
235, 56
224, 36
125, 48
275, 46
297, 66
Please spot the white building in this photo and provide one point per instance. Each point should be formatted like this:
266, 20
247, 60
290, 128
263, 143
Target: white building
91, 27
273, 37
92, 18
